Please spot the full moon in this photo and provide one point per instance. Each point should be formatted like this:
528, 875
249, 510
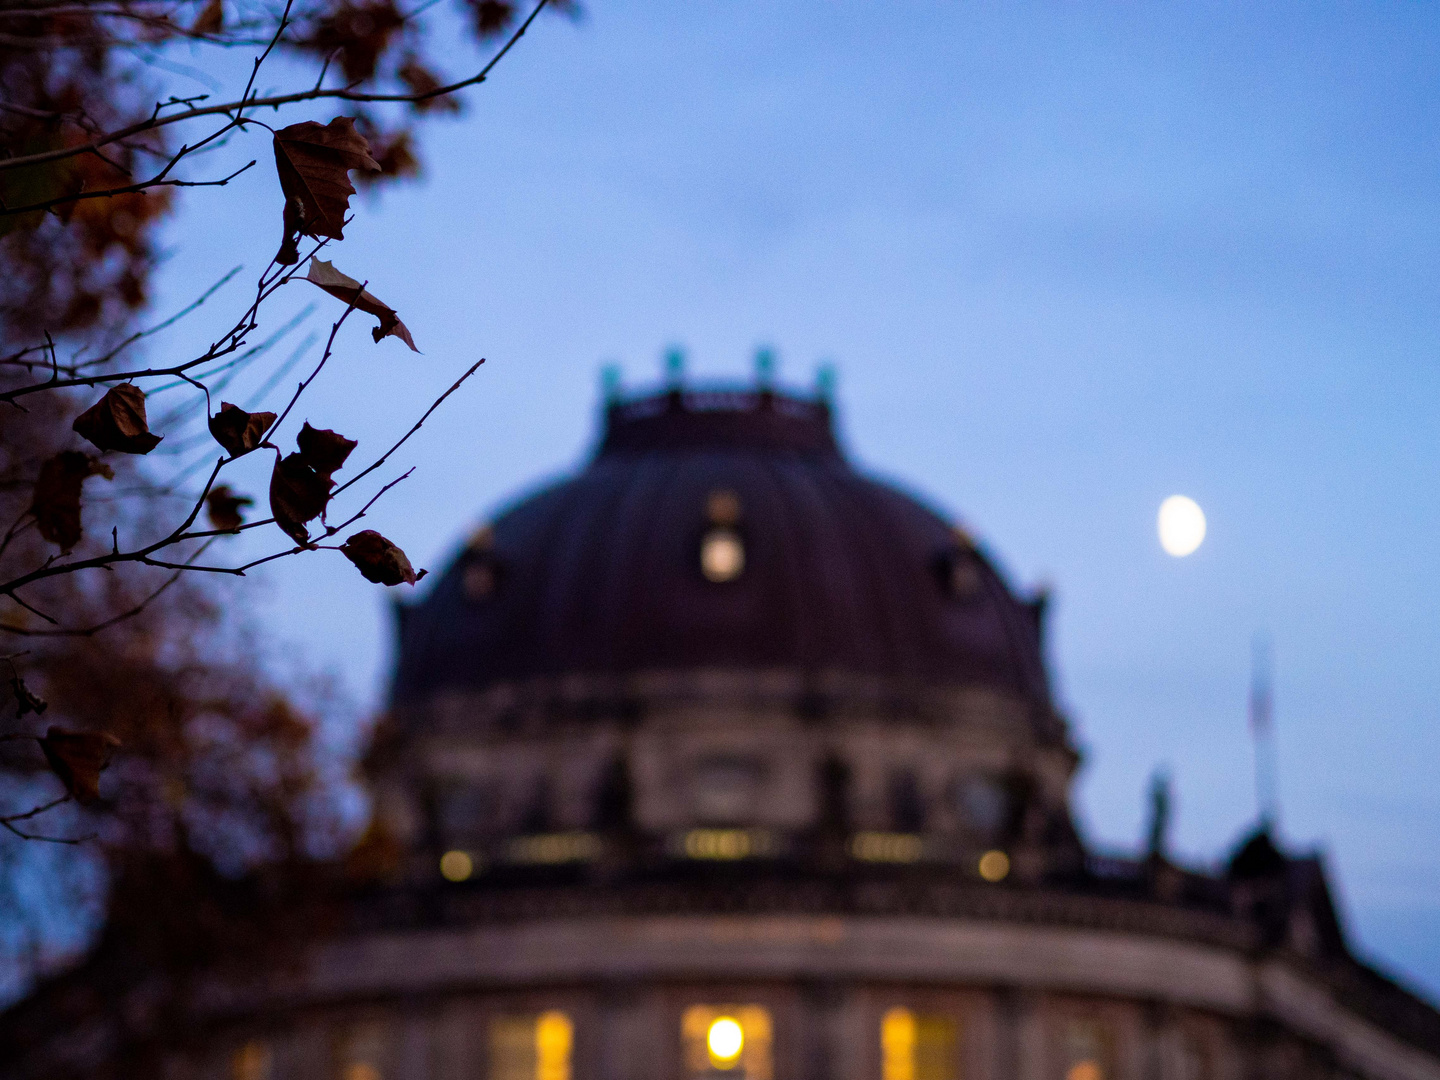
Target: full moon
1181, 525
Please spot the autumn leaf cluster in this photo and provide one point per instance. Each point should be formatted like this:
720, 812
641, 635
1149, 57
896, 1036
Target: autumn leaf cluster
71, 75
138, 727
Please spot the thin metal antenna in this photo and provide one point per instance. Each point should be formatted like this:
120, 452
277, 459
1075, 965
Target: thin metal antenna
1262, 731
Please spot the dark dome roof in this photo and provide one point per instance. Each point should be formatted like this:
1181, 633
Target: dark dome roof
601, 573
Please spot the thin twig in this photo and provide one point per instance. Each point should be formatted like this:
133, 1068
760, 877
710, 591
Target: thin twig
235, 109
435, 405
130, 189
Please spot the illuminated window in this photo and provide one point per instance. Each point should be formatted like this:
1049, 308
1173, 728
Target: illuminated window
456, 865
251, 1062
1087, 1051
917, 1047
552, 848
727, 844
887, 847
994, 866
733, 1039
360, 1050
531, 1047
722, 555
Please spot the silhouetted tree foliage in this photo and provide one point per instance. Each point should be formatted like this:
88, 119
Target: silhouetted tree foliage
88, 137
206, 840
185, 795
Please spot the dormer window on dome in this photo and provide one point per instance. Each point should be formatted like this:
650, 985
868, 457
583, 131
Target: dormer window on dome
958, 570
722, 549
480, 573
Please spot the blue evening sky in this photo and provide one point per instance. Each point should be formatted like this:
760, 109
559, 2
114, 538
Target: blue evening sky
1068, 260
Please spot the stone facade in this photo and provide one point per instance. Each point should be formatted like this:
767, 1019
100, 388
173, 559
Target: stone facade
723, 761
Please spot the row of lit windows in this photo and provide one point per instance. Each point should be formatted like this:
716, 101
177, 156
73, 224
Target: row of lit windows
720, 845
736, 1039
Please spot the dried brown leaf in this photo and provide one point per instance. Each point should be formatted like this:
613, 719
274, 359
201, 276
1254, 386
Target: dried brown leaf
395, 151
223, 506
56, 502
379, 560
491, 16
323, 450
117, 421
26, 700
360, 32
314, 162
78, 758
211, 19
239, 431
419, 79
297, 494
343, 287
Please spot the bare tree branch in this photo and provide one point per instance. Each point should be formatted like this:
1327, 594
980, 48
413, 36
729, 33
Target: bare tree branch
236, 109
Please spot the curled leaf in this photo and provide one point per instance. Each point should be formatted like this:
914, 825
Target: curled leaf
223, 506
56, 502
314, 163
78, 758
26, 700
379, 560
323, 450
239, 431
117, 421
297, 494
344, 287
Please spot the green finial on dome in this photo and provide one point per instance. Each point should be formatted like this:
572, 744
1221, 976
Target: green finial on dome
610, 383
765, 367
674, 367
825, 382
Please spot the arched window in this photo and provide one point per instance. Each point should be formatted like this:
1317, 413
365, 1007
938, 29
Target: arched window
730, 1039
1087, 1051
531, 1047
918, 1047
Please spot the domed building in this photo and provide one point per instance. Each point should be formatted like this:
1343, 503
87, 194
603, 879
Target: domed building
721, 759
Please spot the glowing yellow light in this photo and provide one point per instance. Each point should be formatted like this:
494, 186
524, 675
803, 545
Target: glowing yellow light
897, 1045
887, 847
994, 865
555, 847
251, 1062
724, 844
554, 1035
361, 1070
1084, 1070
1181, 524
725, 1040
456, 865
722, 555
